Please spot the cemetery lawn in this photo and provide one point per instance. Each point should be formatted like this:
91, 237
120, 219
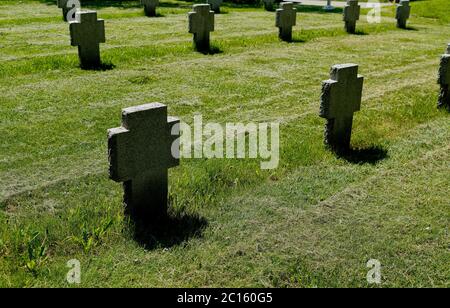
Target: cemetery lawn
313, 222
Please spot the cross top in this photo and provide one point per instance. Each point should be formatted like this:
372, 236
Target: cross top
87, 33
150, 7
444, 71
353, 10
286, 18
201, 23
140, 153
341, 98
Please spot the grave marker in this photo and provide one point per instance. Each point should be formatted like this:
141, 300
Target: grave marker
150, 7
87, 33
140, 154
352, 12
403, 13
341, 98
215, 5
269, 5
444, 80
286, 18
201, 23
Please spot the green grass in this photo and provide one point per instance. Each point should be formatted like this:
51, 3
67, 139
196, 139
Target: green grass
314, 221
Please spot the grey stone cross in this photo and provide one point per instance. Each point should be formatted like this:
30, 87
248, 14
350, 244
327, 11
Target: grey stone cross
444, 80
215, 5
285, 19
140, 154
201, 23
150, 7
403, 13
87, 33
341, 98
352, 12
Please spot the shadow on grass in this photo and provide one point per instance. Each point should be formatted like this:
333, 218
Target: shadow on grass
211, 51
104, 66
360, 32
169, 231
410, 29
371, 155
317, 9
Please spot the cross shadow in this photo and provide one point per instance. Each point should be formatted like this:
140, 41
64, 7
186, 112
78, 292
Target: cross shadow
211, 51
297, 40
371, 155
360, 32
104, 66
408, 28
317, 9
169, 231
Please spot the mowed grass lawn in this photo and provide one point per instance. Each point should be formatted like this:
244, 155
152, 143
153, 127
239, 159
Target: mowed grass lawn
313, 222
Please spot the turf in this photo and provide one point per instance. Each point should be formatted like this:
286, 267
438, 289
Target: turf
314, 221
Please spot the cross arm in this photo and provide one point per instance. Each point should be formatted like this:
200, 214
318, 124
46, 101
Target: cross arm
192, 16
118, 154
328, 92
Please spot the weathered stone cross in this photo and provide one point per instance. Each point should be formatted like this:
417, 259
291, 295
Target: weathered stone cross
150, 7
87, 33
215, 5
286, 18
201, 22
341, 98
444, 80
352, 12
403, 13
140, 154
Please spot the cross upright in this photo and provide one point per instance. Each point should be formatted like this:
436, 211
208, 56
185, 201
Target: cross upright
444, 80
352, 12
215, 5
285, 19
140, 153
341, 98
87, 33
402, 14
150, 7
201, 23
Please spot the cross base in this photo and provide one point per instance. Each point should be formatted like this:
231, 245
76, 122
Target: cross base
201, 41
285, 34
89, 56
150, 11
145, 196
329, 8
444, 97
338, 133
350, 26
401, 23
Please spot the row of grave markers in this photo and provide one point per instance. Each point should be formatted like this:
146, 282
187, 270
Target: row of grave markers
87, 32
141, 150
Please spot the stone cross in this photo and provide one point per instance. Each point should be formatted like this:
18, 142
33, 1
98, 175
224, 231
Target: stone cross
341, 98
201, 22
403, 13
215, 5
444, 80
269, 4
140, 154
352, 12
87, 33
285, 19
150, 7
